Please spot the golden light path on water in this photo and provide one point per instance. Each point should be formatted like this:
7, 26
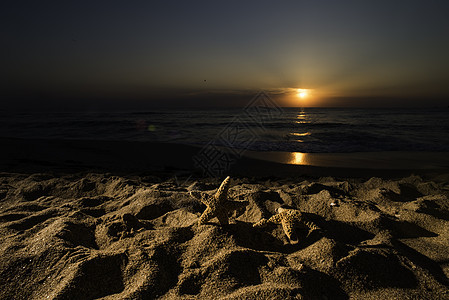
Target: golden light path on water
291, 158
301, 134
298, 158
301, 119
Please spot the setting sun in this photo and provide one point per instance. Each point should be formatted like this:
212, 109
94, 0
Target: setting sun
302, 93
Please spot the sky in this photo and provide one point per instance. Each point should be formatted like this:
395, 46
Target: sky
221, 53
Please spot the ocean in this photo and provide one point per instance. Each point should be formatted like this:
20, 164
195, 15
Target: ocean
308, 130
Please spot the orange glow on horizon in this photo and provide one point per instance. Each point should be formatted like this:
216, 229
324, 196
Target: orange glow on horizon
295, 97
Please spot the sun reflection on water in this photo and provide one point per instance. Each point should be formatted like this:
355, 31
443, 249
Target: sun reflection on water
300, 134
301, 117
298, 158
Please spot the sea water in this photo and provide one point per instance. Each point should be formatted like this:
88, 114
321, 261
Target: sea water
310, 130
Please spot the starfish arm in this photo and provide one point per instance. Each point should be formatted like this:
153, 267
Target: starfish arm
206, 216
262, 222
222, 191
276, 219
290, 231
296, 214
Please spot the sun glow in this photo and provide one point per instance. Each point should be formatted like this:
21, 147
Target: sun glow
302, 93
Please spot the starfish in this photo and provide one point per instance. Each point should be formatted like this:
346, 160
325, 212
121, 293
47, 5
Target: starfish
218, 204
289, 218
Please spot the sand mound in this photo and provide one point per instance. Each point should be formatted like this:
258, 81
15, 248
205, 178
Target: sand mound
102, 236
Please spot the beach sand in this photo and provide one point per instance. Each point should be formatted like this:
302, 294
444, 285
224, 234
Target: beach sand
111, 220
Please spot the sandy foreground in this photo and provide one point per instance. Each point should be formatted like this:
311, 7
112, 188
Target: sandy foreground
88, 233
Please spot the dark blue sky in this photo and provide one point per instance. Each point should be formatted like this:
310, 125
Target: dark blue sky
199, 51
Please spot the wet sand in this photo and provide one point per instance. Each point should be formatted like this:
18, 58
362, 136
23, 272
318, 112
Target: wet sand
110, 220
388, 160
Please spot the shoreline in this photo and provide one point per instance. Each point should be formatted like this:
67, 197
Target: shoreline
394, 160
34, 155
